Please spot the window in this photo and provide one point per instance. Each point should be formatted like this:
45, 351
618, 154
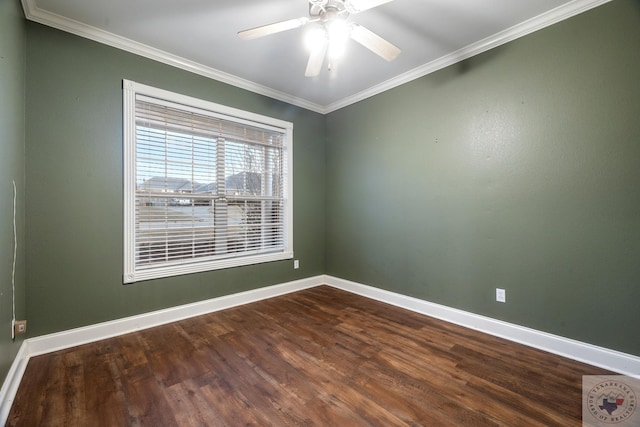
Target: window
205, 186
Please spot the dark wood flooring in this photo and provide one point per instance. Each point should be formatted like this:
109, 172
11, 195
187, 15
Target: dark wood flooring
319, 357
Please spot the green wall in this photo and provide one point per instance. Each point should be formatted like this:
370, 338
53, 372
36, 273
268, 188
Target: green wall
12, 167
74, 185
517, 169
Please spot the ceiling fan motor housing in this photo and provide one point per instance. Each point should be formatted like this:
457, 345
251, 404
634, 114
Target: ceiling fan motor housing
335, 29
326, 10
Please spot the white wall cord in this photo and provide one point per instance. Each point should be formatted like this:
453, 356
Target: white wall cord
13, 270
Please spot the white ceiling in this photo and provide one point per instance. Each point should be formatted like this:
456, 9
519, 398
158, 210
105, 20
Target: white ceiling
200, 36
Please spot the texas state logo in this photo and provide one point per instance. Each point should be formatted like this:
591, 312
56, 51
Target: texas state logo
610, 400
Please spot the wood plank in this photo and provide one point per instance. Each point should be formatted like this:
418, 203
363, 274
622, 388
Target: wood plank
317, 357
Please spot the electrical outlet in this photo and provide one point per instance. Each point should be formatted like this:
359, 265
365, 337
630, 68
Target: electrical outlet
296, 264
20, 327
501, 295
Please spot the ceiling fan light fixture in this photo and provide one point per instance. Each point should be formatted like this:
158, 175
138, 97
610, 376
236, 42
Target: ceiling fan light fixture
315, 36
336, 50
338, 32
338, 29
329, 32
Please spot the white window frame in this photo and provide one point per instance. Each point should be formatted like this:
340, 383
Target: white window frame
133, 273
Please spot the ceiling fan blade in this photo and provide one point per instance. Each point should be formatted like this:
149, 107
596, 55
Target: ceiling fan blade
316, 59
374, 42
356, 6
265, 30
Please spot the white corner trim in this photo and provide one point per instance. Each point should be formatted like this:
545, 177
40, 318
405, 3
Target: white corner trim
616, 361
522, 29
612, 360
87, 334
83, 335
34, 13
12, 382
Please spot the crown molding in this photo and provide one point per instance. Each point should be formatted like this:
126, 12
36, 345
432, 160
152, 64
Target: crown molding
34, 13
522, 29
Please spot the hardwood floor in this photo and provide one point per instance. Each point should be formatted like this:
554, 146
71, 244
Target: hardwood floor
319, 357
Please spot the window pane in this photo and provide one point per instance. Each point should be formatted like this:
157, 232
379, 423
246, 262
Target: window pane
207, 187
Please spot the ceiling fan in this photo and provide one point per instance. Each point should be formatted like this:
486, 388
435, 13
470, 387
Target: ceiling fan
331, 31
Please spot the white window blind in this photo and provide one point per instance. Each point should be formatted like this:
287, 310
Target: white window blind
206, 186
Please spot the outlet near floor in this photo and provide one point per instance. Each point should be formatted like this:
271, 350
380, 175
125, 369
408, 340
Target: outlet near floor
20, 327
501, 295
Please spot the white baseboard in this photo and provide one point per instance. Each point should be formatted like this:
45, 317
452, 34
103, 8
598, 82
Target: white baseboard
615, 361
12, 382
73, 337
612, 360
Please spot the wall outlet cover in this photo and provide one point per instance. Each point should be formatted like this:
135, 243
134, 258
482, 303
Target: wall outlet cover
20, 327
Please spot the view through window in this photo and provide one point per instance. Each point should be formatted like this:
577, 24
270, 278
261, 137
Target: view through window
208, 186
